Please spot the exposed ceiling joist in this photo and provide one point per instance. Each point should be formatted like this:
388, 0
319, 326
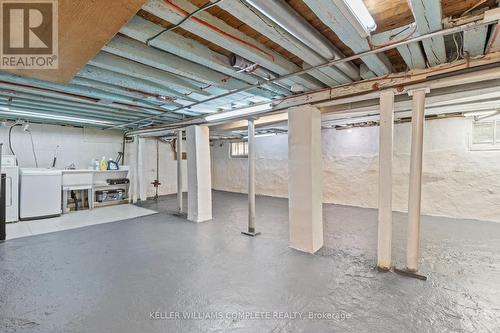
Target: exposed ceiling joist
428, 16
332, 16
64, 91
249, 15
475, 41
140, 98
124, 66
141, 30
111, 109
65, 110
129, 82
139, 52
411, 53
220, 33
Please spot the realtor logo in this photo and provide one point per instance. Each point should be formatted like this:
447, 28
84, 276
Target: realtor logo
29, 34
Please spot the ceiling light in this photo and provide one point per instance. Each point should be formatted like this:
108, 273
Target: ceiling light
263, 135
364, 22
54, 117
251, 110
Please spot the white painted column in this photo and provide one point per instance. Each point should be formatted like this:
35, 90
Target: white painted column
180, 183
251, 180
199, 174
415, 190
305, 168
140, 169
135, 178
386, 144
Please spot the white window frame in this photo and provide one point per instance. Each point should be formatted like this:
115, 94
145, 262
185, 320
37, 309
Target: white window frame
485, 146
242, 149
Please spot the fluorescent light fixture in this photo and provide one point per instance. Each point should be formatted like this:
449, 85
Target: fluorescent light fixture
239, 112
263, 135
53, 117
356, 9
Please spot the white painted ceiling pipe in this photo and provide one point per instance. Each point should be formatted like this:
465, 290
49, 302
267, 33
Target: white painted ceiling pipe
287, 18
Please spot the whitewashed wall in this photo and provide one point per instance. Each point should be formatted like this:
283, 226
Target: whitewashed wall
77, 145
167, 167
456, 183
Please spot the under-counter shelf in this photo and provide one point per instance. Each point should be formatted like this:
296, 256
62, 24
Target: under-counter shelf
110, 203
111, 187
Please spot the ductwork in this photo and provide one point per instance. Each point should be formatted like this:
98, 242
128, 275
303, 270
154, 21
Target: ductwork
245, 65
287, 18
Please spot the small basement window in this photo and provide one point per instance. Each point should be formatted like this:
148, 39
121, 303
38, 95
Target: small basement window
239, 149
485, 135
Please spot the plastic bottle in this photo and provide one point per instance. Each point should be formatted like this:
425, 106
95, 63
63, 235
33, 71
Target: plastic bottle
103, 165
112, 165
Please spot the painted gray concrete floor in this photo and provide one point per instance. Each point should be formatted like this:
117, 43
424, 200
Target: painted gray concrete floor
110, 277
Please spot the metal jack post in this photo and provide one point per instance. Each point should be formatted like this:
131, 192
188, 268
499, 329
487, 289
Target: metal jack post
251, 180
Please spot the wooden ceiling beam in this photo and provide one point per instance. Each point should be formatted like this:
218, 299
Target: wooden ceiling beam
411, 53
141, 29
328, 12
219, 32
428, 16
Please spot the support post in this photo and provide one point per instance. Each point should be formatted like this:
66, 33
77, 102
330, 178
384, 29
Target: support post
305, 168
386, 143
415, 189
180, 182
251, 180
135, 182
140, 169
199, 174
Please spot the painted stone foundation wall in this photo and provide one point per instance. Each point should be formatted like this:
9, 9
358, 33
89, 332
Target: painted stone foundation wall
78, 146
167, 166
456, 182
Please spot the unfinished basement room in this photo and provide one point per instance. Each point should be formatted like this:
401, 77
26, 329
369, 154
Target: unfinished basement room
249, 166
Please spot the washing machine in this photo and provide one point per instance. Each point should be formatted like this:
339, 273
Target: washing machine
40, 193
11, 171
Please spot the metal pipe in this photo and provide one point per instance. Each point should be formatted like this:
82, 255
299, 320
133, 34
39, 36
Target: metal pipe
286, 17
251, 176
251, 180
457, 29
180, 183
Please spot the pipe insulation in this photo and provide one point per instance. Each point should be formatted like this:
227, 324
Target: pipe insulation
245, 65
286, 17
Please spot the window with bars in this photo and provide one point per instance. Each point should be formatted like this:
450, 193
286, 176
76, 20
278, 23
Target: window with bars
485, 135
239, 149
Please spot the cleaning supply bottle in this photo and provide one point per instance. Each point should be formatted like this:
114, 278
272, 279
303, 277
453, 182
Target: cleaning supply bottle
103, 165
112, 165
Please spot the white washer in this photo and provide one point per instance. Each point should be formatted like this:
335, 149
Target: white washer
11, 188
40, 193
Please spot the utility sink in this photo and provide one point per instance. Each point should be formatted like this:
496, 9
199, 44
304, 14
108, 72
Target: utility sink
77, 177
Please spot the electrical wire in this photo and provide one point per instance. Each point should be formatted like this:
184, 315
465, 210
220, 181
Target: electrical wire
10, 141
175, 26
191, 16
376, 46
473, 7
33, 147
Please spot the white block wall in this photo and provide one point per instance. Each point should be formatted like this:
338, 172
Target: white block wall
77, 145
456, 182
